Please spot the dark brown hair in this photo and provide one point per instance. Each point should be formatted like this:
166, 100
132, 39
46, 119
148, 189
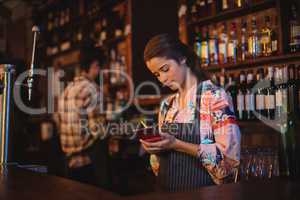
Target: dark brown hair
164, 45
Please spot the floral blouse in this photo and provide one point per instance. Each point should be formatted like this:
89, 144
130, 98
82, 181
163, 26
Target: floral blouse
220, 156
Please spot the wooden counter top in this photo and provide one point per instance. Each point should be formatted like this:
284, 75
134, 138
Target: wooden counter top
16, 184
21, 184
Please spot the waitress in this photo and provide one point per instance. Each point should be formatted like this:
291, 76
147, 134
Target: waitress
201, 140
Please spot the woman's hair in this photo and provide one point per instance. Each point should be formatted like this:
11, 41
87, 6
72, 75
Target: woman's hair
164, 45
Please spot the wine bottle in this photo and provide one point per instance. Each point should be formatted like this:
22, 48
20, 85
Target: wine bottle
294, 24
238, 3
250, 98
223, 44
244, 41
241, 97
274, 38
278, 94
259, 96
222, 78
254, 45
232, 44
205, 48
197, 42
231, 88
270, 95
265, 39
225, 5
213, 45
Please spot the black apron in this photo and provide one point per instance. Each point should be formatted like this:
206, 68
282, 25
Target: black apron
180, 171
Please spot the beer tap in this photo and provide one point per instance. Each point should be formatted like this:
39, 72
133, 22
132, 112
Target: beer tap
35, 30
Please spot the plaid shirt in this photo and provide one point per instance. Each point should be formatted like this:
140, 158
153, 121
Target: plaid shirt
79, 119
219, 150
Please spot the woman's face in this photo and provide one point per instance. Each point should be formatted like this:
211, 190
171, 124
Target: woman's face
168, 71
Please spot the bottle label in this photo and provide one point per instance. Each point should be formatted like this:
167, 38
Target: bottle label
249, 101
222, 49
270, 102
212, 47
278, 98
231, 49
240, 102
250, 45
265, 39
274, 45
204, 50
224, 4
260, 102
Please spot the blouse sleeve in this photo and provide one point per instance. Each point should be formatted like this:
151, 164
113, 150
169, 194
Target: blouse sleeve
220, 155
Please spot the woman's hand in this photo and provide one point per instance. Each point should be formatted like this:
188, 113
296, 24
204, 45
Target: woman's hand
168, 142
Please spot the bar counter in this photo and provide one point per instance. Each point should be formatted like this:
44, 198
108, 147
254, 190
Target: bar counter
16, 183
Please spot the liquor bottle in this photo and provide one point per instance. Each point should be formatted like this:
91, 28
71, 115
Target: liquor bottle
205, 48
259, 96
266, 41
254, 45
231, 88
201, 8
66, 41
225, 5
211, 7
270, 95
241, 97
292, 87
294, 24
222, 78
232, 44
244, 41
238, 3
249, 97
67, 15
197, 42
213, 45
62, 17
50, 21
194, 14
223, 44
274, 38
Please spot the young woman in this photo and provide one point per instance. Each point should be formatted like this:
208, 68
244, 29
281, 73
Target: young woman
201, 140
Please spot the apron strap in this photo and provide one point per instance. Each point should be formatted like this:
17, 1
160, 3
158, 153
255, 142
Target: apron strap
198, 106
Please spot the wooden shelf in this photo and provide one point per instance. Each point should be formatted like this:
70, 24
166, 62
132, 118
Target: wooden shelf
255, 127
148, 100
230, 14
280, 59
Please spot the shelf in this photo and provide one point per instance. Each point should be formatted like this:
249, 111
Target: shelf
256, 127
280, 59
147, 100
230, 14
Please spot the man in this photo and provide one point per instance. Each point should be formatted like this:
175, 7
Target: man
80, 123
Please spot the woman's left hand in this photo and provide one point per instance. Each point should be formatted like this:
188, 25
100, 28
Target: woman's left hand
168, 142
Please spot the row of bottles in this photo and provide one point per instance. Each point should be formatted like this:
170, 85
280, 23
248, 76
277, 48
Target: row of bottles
101, 31
264, 94
226, 43
204, 8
